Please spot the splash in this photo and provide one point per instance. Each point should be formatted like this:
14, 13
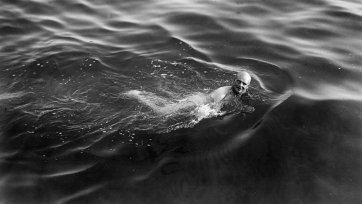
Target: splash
174, 113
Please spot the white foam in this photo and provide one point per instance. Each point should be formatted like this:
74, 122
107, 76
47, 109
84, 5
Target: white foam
6, 96
205, 111
166, 106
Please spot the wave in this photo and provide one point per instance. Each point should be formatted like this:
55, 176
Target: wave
111, 94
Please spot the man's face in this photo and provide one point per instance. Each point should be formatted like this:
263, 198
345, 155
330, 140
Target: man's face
241, 84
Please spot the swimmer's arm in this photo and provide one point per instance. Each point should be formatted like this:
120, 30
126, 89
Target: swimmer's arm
219, 94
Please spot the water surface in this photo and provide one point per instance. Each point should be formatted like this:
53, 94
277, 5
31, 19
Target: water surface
69, 133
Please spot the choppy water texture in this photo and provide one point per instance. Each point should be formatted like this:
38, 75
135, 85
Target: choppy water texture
77, 79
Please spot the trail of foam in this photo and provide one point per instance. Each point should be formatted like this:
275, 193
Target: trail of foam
163, 106
184, 113
7, 96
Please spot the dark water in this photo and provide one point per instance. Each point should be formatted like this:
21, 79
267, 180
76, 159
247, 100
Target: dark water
70, 134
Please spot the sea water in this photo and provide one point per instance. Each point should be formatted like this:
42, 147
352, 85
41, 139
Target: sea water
71, 133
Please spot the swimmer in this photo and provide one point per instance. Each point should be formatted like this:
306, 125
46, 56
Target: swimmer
239, 88
220, 96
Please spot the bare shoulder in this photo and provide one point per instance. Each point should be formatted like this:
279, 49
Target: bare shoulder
220, 93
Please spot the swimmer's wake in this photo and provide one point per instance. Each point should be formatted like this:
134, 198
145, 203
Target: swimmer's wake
163, 106
184, 113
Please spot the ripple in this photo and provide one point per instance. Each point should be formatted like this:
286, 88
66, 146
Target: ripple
11, 30
38, 8
117, 24
49, 23
256, 9
311, 33
19, 26
64, 171
66, 65
184, 47
79, 194
341, 13
83, 7
348, 92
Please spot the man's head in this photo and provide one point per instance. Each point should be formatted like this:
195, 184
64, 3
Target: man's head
241, 82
